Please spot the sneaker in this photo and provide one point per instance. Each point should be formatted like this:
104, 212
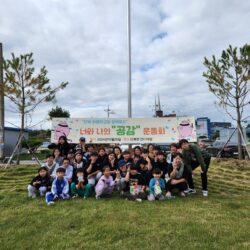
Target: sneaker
50, 203
74, 196
190, 191
138, 200
161, 198
97, 197
33, 196
205, 193
151, 197
85, 197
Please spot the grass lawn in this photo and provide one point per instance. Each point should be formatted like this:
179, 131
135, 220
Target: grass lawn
221, 221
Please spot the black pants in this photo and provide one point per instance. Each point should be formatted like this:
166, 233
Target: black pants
194, 165
180, 186
129, 196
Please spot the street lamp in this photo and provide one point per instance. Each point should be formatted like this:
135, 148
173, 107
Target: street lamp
129, 60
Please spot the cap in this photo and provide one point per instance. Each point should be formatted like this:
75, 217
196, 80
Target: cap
71, 151
121, 163
82, 139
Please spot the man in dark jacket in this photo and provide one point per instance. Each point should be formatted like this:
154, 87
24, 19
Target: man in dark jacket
194, 157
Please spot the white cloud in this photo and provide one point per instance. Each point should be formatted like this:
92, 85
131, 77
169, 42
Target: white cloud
84, 42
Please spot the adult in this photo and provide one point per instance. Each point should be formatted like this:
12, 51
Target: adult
177, 176
194, 157
81, 146
172, 154
118, 153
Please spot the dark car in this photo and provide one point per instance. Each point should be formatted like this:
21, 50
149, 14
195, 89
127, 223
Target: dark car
165, 148
225, 150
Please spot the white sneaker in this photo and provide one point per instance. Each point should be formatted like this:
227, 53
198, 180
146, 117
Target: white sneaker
205, 193
50, 203
190, 191
138, 199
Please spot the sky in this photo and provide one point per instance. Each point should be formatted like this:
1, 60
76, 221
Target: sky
84, 42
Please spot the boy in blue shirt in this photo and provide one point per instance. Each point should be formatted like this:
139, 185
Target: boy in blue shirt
156, 185
59, 188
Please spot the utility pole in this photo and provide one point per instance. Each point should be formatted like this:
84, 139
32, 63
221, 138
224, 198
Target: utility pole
129, 61
109, 111
1, 105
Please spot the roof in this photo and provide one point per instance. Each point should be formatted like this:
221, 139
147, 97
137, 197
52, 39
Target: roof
16, 129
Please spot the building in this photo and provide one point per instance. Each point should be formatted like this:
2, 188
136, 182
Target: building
10, 138
203, 127
216, 127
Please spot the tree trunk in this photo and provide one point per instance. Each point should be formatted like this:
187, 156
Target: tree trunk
22, 109
19, 150
239, 133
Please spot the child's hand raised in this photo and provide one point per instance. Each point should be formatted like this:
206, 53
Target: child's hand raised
117, 172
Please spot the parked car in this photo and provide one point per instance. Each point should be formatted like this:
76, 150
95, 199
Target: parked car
204, 143
165, 148
43, 146
226, 150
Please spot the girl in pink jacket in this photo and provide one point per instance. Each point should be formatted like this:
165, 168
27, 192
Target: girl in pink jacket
105, 185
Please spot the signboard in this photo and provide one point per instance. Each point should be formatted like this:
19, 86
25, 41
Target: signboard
203, 127
125, 131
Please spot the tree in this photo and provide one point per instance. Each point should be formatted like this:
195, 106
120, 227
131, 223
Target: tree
27, 89
58, 112
228, 79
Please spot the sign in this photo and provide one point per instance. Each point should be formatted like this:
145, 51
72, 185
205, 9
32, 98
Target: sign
125, 131
203, 127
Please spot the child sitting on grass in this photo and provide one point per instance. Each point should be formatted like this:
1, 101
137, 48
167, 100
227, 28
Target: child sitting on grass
59, 189
40, 183
105, 185
135, 184
80, 186
156, 185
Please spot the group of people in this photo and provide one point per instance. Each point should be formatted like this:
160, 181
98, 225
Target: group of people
145, 173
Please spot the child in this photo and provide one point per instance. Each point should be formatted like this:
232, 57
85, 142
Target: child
142, 166
112, 162
135, 184
50, 164
161, 163
93, 169
68, 170
79, 161
120, 175
102, 156
105, 185
58, 157
80, 186
71, 157
59, 189
40, 183
127, 157
156, 185
177, 177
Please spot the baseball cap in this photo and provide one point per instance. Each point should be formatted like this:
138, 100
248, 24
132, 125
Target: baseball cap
82, 139
121, 163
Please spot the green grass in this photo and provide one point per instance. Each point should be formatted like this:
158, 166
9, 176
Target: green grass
41, 156
221, 221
